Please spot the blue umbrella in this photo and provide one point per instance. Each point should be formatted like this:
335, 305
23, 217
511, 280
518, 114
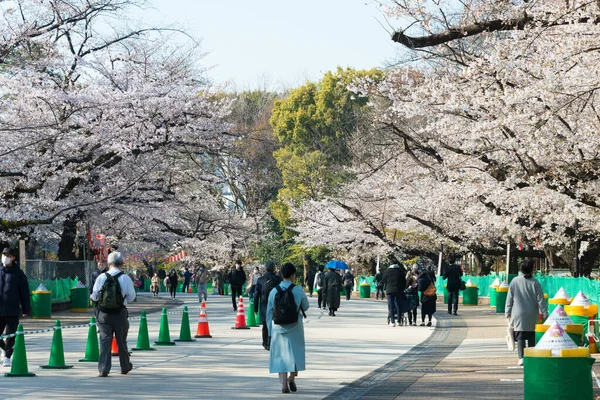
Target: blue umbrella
336, 264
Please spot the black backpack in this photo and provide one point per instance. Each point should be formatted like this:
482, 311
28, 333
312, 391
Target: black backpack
111, 298
267, 287
285, 310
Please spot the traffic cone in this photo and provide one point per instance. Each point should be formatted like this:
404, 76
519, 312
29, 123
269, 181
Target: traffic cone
251, 316
190, 289
164, 338
203, 330
114, 349
184, 332
258, 320
57, 354
92, 350
143, 341
19, 359
240, 319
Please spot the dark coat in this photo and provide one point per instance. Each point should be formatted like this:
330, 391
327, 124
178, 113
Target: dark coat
423, 282
237, 278
333, 287
14, 292
394, 280
95, 276
310, 279
260, 302
378, 280
174, 280
348, 277
453, 274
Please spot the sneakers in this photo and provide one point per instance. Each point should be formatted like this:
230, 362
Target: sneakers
392, 325
520, 362
6, 362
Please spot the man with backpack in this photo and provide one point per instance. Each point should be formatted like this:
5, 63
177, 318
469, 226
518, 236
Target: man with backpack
264, 285
285, 309
113, 290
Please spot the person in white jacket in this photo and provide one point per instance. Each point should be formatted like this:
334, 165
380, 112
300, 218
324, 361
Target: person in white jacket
319, 283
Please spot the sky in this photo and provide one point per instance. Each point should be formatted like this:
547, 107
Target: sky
279, 44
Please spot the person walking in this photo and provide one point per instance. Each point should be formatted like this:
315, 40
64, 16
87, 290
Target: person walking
319, 284
237, 278
394, 283
252, 281
310, 282
333, 288
155, 285
100, 270
426, 285
14, 298
221, 282
187, 275
379, 285
348, 284
264, 285
524, 304
288, 348
173, 282
200, 281
412, 295
453, 274
113, 320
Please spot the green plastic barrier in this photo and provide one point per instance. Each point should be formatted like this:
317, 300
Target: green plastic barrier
492, 297
470, 297
41, 304
80, 299
368, 280
558, 378
365, 291
501, 301
445, 295
226, 289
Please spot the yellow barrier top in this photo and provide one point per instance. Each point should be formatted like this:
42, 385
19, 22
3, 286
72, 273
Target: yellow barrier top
41, 291
502, 290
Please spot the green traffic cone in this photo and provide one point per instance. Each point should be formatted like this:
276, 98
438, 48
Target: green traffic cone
57, 354
164, 338
184, 333
92, 350
258, 320
19, 360
251, 318
143, 342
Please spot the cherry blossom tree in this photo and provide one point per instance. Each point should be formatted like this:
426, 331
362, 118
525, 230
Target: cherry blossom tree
490, 137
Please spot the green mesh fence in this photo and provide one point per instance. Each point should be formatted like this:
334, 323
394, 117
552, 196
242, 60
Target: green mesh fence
60, 288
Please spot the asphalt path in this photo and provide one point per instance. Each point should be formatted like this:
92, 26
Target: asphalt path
232, 364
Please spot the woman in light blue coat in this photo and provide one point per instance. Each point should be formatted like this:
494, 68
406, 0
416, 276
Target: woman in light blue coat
287, 352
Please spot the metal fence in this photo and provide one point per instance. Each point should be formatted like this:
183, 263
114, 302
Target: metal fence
43, 270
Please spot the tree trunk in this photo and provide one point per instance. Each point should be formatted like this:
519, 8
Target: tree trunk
483, 264
66, 246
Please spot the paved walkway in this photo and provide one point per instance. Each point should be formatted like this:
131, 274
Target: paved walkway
350, 356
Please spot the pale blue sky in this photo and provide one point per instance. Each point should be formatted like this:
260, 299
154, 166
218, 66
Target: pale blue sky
281, 43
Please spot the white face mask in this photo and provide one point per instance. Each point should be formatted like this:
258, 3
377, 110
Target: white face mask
5, 260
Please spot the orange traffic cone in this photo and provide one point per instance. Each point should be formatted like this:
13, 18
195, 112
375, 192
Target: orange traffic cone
240, 319
114, 349
203, 330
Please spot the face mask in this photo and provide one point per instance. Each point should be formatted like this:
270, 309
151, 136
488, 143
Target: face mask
5, 260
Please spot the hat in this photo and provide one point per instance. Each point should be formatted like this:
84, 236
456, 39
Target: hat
7, 250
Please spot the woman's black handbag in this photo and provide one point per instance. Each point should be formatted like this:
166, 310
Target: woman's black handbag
463, 285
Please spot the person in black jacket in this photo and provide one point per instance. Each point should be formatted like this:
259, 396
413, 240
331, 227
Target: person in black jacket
379, 285
261, 298
310, 281
394, 283
14, 299
96, 274
237, 278
453, 274
428, 307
